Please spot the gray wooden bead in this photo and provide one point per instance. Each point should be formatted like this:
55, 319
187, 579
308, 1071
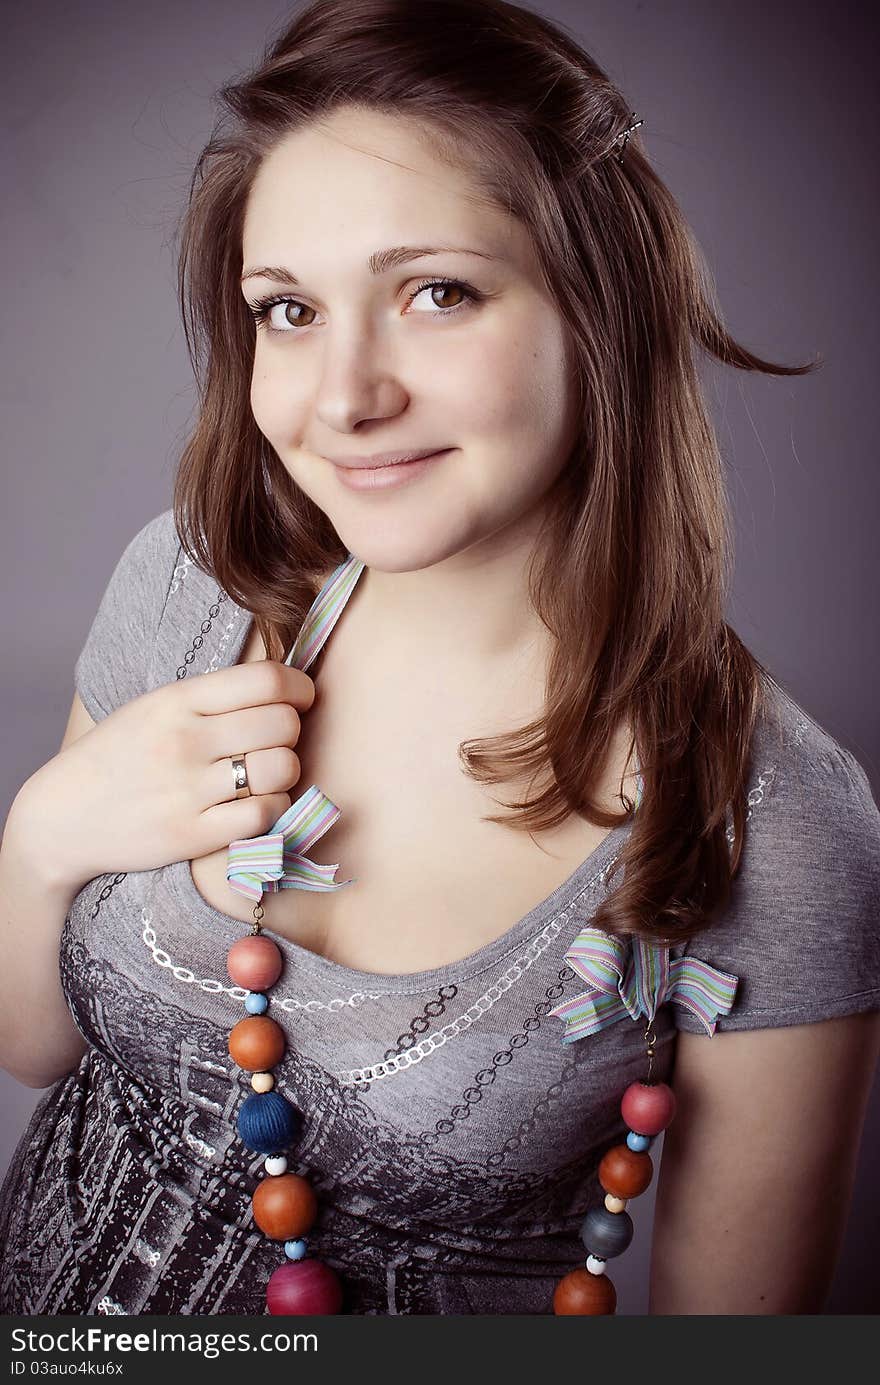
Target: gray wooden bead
606, 1233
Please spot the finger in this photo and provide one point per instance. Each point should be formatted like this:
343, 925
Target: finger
249, 685
268, 772
239, 821
254, 728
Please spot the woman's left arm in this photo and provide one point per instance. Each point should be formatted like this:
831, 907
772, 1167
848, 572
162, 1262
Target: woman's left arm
758, 1165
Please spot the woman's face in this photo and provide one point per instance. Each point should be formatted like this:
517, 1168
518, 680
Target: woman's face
357, 363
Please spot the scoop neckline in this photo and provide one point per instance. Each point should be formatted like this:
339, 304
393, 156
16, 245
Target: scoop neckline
585, 874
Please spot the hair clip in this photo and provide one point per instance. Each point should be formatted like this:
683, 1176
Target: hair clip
625, 134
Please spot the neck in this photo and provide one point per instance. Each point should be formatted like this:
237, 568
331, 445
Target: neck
472, 608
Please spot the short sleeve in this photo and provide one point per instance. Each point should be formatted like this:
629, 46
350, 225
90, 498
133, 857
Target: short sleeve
113, 665
801, 929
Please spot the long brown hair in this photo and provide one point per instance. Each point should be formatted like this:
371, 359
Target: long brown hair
630, 570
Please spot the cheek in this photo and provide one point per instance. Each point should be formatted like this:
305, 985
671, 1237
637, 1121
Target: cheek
262, 401
274, 404
528, 413
520, 383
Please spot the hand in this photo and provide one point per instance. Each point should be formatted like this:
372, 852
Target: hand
152, 783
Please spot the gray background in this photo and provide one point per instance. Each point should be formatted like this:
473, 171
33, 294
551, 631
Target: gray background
761, 119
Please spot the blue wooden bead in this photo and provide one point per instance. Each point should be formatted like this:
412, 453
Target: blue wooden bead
256, 1003
294, 1250
639, 1143
605, 1233
267, 1122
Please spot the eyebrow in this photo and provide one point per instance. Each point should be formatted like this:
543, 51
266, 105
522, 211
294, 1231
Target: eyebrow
378, 263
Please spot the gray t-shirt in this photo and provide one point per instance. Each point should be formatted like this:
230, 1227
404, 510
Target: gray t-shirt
451, 1137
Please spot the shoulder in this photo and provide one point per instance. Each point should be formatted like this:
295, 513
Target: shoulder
156, 544
798, 739
144, 566
806, 792
799, 929
114, 663
156, 569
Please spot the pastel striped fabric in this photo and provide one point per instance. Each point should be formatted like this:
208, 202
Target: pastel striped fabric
635, 977
276, 861
324, 612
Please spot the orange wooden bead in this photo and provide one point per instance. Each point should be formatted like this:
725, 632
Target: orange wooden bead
624, 1173
590, 1295
284, 1206
256, 1043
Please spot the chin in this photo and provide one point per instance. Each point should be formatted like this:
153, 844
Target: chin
388, 550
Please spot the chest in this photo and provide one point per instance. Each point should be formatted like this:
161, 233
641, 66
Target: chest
433, 880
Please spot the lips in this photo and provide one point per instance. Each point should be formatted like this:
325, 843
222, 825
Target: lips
383, 459
390, 474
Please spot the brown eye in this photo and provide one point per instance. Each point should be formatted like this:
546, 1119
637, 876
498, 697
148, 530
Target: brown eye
293, 312
265, 312
444, 289
435, 293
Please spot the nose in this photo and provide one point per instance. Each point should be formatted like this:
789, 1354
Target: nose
358, 381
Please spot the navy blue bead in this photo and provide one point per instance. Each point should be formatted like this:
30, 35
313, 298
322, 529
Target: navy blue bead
267, 1122
639, 1143
606, 1233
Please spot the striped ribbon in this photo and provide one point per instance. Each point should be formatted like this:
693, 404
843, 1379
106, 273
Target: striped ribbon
635, 977
276, 861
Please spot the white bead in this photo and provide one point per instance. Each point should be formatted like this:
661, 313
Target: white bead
615, 1204
262, 1081
595, 1265
276, 1163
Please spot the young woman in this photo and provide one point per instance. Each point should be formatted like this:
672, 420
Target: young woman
413, 813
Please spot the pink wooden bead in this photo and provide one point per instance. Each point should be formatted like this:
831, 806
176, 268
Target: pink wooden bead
303, 1288
254, 962
648, 1109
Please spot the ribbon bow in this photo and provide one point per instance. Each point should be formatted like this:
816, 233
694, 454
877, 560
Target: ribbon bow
635, 978
274, 862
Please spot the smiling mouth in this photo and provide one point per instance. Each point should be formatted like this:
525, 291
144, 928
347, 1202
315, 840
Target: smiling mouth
387, 475
382, 460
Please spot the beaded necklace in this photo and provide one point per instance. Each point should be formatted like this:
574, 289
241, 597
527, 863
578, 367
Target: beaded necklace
623, 979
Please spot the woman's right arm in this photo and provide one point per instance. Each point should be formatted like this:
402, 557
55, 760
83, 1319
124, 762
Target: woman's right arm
39, 1041
146, 786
